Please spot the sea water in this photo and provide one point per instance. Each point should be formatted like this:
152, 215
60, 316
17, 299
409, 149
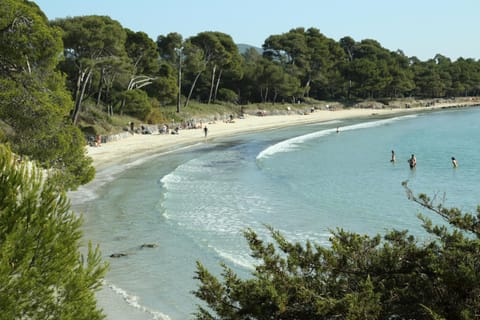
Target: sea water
304, 181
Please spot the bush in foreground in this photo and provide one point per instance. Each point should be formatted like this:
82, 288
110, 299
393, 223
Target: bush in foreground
42, 273
358, 277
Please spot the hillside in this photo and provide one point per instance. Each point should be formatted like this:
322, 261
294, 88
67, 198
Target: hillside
244, 47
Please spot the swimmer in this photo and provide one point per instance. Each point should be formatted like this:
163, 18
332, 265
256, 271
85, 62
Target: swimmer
454, 162
412, 161
393, 157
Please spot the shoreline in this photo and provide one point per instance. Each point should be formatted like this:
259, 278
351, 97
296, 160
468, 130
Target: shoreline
116, 302
138, 146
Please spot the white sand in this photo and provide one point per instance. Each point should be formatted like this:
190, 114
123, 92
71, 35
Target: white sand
138, 145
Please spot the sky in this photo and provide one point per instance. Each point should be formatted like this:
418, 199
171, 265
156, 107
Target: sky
420, 28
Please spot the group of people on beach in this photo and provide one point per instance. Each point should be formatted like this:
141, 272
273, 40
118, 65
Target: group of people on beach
412, 161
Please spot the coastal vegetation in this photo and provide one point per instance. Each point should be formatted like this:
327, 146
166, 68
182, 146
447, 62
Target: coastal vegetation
34, 101
65, 79
394, 276
42, 273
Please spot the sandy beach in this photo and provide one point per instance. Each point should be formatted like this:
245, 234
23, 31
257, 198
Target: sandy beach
140, 145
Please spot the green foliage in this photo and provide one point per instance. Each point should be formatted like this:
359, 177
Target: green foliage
307, 55
296, 65
42, 273
27, 42
168, 45
137, 104
102, 60
165, 87
227, 95
215, 53
143, 52
34, 103
94, 46
156, 116
42, 133
357, 277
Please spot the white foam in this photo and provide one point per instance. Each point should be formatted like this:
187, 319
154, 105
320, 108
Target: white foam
303, 236
292, 144
182, 174
133, 301
377, 123
238, 259
89, 191
170, 179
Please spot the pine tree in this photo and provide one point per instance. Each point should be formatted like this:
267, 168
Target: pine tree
43, 275
34, 101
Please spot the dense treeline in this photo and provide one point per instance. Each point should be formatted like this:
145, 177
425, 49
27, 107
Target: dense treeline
294, 65
127, 72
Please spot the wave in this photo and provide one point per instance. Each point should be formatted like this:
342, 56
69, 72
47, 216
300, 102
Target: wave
90, 191
183, 173
292, 144
320, 238
243, 261
324, 123
132, 301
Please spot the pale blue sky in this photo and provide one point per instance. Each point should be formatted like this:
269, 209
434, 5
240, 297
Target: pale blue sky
420, 28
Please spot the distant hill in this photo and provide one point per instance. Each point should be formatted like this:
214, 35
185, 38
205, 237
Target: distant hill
244, 47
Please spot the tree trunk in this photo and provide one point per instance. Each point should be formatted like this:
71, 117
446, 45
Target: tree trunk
191, 89
77, 96
122, 105
216, 86
107, 95
306, 91
82, 83
100, 86
179, 94
212, 84
265, 97
349, 89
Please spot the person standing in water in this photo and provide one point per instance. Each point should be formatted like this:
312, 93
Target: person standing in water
393, 157
412, 161
205, 129
454, 162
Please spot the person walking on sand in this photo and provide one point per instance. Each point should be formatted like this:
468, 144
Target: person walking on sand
412, 161
205, 130
393, 157
454, 162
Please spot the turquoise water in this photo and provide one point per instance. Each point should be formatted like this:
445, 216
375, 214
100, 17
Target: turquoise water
303, 181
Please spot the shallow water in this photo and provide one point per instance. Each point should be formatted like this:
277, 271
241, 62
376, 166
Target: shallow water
303, 181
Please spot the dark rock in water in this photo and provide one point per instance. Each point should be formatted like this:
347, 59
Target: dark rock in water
148, 245
118, 255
